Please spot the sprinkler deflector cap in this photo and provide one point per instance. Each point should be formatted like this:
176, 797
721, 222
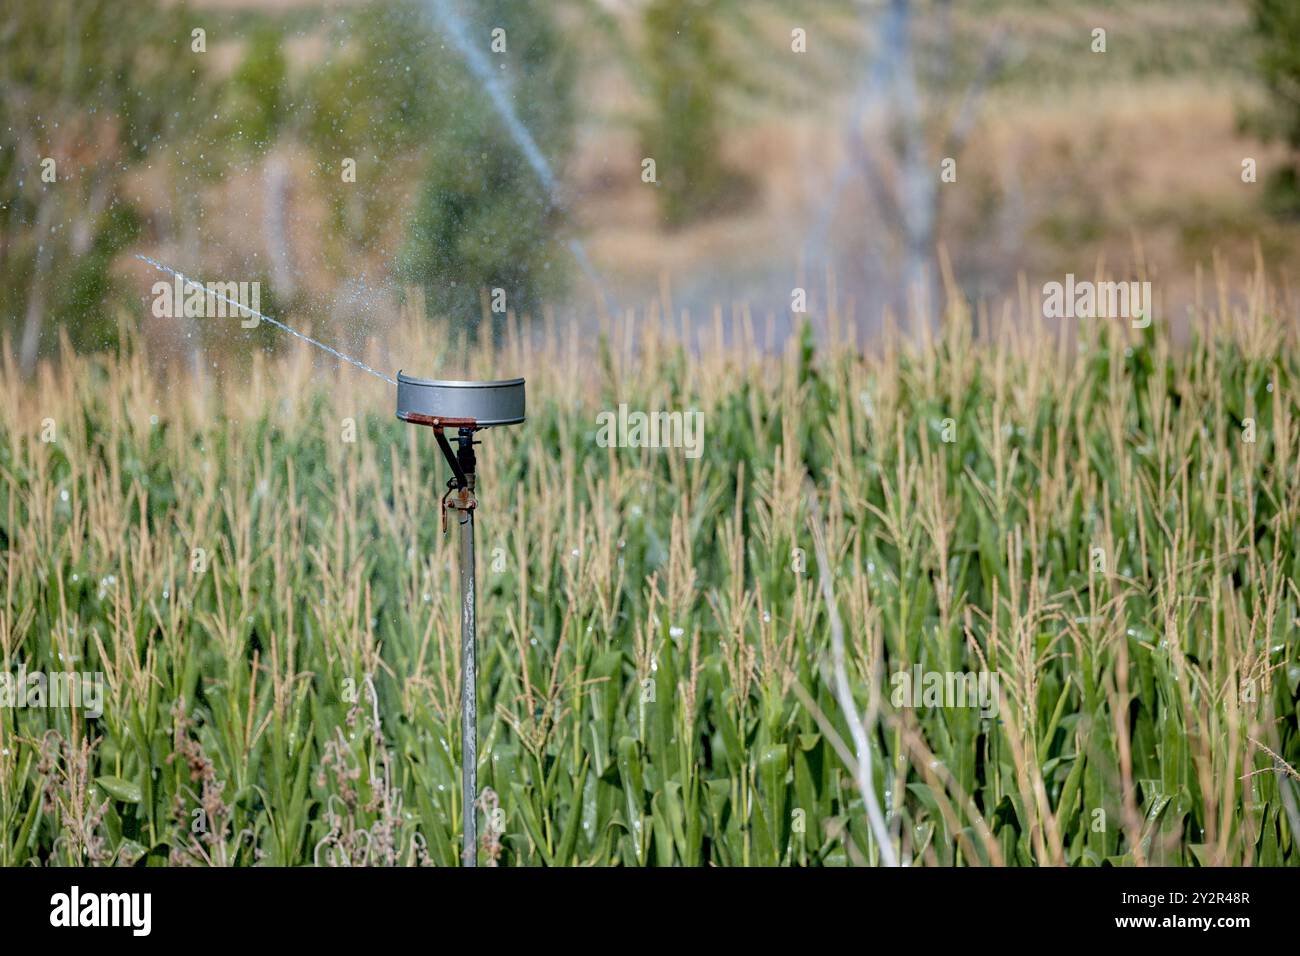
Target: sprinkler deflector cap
452, 404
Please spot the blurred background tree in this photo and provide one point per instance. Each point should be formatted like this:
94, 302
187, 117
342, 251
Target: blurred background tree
1277, 27
101, 87
400, 97
483, 218
258, 96
375, 98
687, 73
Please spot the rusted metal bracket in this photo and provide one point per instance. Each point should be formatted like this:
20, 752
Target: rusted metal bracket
459, 495
457, 499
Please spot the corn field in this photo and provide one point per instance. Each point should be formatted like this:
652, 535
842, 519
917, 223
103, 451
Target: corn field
682, 661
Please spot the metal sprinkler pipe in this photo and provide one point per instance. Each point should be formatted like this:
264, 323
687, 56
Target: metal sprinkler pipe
468, 407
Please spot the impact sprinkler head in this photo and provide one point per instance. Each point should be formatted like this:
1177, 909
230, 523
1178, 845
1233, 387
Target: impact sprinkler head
467, 407
460, 404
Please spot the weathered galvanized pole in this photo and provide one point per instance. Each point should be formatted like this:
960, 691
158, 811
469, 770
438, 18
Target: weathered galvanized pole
468, 662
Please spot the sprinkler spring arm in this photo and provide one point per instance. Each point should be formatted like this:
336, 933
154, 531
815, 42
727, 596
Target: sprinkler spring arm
465, 455
460, 480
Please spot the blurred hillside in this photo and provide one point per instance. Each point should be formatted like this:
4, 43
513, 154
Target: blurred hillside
775, 166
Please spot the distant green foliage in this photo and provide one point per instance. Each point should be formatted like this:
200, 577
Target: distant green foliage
399, 97
484, 219
258, 104
380, 86
481, 225
1277, 26
687, 72
101, 87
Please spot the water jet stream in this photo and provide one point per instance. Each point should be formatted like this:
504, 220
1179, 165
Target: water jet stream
276, 322
477, 61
